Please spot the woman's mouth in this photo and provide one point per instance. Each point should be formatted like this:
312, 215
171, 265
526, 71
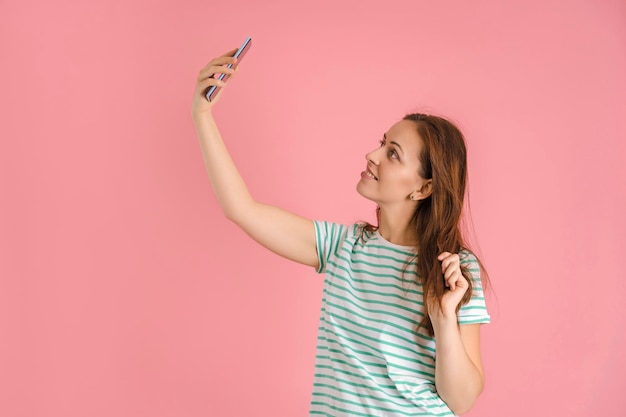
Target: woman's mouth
368, 174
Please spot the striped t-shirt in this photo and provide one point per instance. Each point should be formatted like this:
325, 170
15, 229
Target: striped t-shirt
369, 360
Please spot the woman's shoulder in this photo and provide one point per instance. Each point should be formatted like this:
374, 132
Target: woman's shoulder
351, 229
341, 232
467, 256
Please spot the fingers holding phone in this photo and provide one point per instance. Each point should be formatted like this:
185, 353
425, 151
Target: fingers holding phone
209, 77
213, 77
239, 54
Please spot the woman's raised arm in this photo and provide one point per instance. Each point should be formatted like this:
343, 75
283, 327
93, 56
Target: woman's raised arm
282, 232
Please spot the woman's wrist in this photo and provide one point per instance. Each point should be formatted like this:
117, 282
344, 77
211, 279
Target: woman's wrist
442, 320
199, 118
204, 123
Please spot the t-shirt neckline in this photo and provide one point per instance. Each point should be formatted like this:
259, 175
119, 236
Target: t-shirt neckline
394, 245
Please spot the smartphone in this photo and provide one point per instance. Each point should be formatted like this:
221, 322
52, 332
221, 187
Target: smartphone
212, 91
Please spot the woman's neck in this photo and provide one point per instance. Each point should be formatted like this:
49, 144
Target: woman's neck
397, 229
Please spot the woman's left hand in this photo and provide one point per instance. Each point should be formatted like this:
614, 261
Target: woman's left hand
456, 283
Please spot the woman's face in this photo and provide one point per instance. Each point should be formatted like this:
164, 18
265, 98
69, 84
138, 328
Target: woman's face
392, 173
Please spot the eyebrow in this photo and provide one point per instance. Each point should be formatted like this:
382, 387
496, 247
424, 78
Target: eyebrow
394, 143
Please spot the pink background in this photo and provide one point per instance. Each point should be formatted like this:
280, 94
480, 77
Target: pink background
125, 292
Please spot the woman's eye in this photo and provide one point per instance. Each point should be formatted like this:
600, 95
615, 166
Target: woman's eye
393, 154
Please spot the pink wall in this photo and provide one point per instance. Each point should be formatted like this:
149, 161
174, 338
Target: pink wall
125, 292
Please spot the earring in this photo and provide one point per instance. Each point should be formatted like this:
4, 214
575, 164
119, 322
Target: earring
412, 197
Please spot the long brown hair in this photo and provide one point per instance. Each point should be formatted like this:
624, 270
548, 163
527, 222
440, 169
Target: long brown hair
437, 217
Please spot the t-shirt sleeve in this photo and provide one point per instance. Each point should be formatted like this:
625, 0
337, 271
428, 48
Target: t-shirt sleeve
329, 237
475, 311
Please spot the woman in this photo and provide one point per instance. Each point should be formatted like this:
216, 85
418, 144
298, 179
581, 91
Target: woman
384, 347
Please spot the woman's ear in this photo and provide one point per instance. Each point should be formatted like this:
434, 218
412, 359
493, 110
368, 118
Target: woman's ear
424, 192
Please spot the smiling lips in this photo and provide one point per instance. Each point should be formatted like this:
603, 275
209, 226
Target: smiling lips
368, 174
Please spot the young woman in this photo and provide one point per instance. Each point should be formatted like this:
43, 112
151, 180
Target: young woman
402, 303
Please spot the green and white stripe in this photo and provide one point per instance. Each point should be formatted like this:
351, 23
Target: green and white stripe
370, 361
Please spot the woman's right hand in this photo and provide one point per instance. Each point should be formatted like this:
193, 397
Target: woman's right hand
206, 78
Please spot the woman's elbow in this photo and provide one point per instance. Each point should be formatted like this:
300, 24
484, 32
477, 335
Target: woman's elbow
464, 405
462, 410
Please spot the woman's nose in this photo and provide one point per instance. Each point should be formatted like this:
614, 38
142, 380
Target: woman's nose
372, 157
